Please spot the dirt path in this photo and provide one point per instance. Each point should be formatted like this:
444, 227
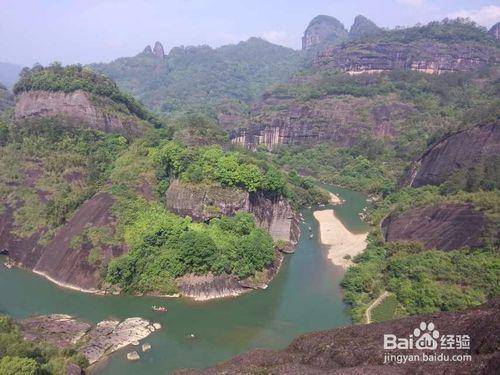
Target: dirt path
368, 313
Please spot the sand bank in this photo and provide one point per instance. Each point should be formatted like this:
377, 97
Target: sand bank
340, 241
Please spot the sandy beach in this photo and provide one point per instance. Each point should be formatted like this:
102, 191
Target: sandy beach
340, 241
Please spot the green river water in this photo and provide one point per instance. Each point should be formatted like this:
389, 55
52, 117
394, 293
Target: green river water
304, 297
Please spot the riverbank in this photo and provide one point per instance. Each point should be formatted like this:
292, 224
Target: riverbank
342, 244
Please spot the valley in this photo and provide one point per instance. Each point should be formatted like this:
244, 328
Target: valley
260, 193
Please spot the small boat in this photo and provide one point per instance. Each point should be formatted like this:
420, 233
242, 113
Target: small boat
161, 309
311, 235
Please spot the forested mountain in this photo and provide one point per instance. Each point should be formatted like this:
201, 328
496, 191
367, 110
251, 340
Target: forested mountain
200, 77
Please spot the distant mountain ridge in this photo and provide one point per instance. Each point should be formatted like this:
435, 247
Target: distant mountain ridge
202, 76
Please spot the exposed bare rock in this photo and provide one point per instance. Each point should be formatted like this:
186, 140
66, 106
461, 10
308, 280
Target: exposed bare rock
60, 330
110, 336
362, 26
446, 227
339, 120
323, 29
94, 342
158, 50
203, 202
495, 31
80, 107
209, 286
424, 55
359, 349
459, 151
57, 261
147, 50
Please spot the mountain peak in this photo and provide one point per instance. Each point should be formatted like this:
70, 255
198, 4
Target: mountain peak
363, 26
323, 29
495, 31
158, 50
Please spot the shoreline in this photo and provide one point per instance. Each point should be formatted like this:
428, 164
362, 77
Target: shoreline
341, 242
211, 293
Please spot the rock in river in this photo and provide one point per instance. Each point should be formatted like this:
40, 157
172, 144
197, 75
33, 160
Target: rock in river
94, 342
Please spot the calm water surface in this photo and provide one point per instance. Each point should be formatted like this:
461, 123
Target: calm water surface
304, 297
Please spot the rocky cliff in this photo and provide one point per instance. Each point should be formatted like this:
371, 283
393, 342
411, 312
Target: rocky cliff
495, 31
323, 29
425, 55
339, 120
59, 260
446, 226
158, 50
80, 107
359, 349
203, 202
459, 151
362, 26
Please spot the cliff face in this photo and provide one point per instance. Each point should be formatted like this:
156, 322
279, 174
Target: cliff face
58, 260
334, 119
425, 56
446, 227
78, 106
495, 31
203, 202
323, 29
458, 151
359, 349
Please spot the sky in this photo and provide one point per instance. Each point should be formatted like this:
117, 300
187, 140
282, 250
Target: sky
85, 31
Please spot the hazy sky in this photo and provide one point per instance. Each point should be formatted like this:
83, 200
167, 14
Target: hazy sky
101, 30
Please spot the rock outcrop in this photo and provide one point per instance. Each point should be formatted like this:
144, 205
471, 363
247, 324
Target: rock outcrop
339, 120
359, 349
495, 31
57, 260
445, 227
203, 202
158, 50
362, 26
80, 107
459, 151
94, 342
147, 50
209, 286
425, 56
321, 30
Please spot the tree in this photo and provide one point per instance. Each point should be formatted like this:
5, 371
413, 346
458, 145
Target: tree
19, 366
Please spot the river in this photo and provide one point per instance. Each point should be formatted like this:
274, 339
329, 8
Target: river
304, 297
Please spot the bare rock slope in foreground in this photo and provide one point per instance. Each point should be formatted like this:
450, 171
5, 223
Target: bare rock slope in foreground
359, 349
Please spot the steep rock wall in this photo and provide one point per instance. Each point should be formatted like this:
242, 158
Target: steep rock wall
338, 120
458, 151
446, 227
78, 106
57, 260
203, 202
425, 56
